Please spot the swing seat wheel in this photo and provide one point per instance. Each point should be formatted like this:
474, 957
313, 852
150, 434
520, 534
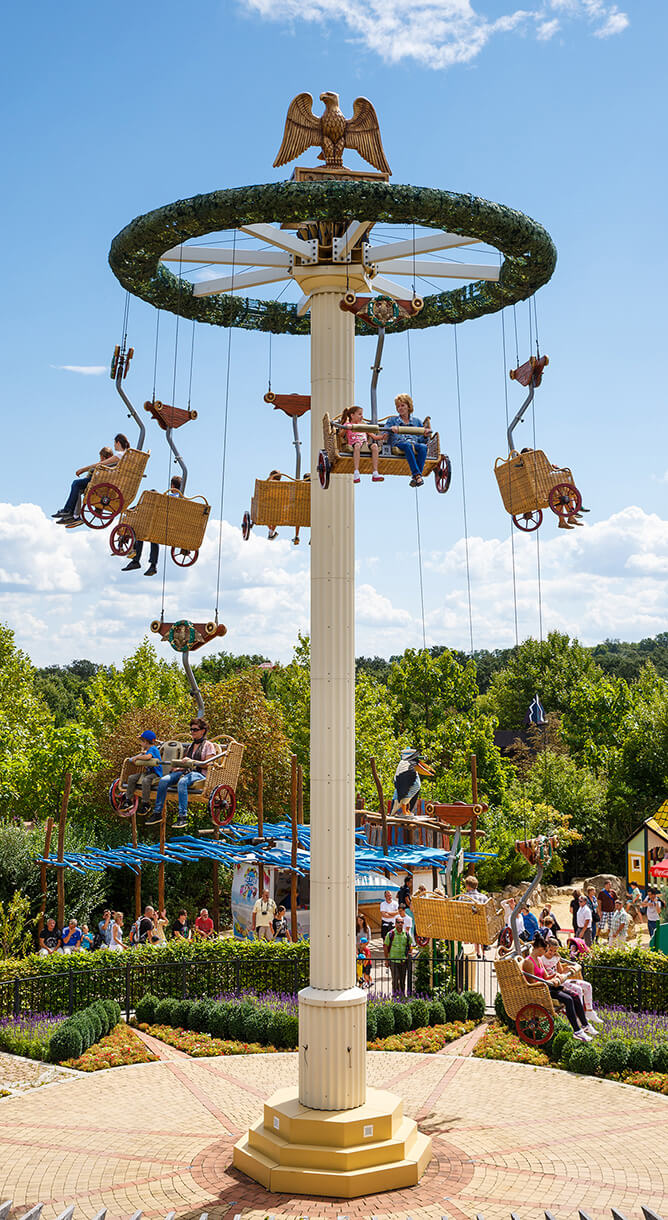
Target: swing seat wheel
564, 499
101, 505
183, 558
534, 1024
324, 469
443, 474
529, 522
246, 526
222, 804
122, 539
116, 800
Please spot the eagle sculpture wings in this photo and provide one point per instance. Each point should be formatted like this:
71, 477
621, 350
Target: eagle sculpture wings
332, 132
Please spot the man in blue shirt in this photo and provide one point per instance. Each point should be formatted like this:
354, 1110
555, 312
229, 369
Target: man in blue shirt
413, 449
530, 922
145, 776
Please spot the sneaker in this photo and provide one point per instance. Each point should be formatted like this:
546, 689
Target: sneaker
272, 534
378, 478
581, 1036
64, 518
419, 480
573, 520
151, 570
356, 477
155, 818
144, 808
592, 1031
131, 566
180, 824
62, 512
72, 525
563, 524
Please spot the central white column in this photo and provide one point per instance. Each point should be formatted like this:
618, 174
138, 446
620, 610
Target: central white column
332, 1010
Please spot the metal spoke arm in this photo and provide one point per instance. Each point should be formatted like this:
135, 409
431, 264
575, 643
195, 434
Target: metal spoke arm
194, 688
518, 906
298, 447
520, 415
376, 368
177, 455
138, 420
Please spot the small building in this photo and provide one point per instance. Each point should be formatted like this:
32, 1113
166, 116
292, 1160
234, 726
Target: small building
646, 846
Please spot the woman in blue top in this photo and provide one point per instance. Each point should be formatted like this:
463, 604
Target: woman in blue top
414, 450
146, 775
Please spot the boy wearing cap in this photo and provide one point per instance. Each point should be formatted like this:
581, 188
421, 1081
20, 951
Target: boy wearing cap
146, 775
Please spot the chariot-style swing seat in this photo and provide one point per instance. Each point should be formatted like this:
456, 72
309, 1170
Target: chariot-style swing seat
166, 518
337, 456
441, 918
527, 480
111, 489
217, 789
283, 499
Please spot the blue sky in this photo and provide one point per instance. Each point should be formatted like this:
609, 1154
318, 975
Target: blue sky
558, 111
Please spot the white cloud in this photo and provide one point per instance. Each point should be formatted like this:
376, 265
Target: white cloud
87, 370
438, 33
65, 595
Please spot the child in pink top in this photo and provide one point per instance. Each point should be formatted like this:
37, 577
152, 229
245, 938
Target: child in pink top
351, 418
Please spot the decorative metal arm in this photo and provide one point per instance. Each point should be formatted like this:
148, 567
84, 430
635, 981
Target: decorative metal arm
120, 367
376, 368
298, 447
520, 415
518, 905
453, 856
194, 688
177, 455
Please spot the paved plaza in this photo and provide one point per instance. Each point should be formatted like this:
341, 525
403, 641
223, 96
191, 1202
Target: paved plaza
159, 1136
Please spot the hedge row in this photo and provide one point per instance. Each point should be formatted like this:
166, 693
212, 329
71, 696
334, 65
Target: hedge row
83, 1029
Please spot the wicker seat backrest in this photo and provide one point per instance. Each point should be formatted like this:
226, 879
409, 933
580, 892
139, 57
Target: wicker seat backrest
516, 991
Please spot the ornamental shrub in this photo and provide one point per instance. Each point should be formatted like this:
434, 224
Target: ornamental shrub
558, 1043
403, 1018
640, 1057
455, 1006
614, 1056
475, 1005
264, 1015
82, 1022
385, 1020
567, 1050
279, 1030
436, 1013
165, 1012
501, 1013
96, 1022
184, 1013
66, 1043
239, 1014
252, 1028
201, 1015
146, 1009
103, 1015
219, 1019
371, 1023
661, 1057
422, 972
419, 1014
114, 1009
584, 1058
291, 1030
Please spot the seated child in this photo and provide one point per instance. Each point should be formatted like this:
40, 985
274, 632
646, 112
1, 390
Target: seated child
353, 418
471, 893
364, 962
554, 967
145, 777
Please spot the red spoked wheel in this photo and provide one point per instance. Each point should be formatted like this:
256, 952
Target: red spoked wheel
183, 558
324, 469
421, 941
222, 804
122, 539
534, 1024
116, 797
101, 505
443, 474
246, 526
564, 499
528, 522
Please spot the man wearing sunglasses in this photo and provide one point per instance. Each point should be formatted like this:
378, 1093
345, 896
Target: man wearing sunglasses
187, 771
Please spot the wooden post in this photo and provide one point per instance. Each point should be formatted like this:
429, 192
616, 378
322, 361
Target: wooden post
42, 873
474, 797
381, 803
260, 801
161, 866
293, 859
137, 875
61, 850
300, 796
215, 885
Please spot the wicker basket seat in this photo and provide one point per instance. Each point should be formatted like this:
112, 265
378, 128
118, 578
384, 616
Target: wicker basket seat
284, 502
174, 521
517, 992
526, 479
113, 488
440, 918
224, 770
390, 459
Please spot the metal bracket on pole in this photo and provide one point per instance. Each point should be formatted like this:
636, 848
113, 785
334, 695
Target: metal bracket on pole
298, 448
453, 856
376, 369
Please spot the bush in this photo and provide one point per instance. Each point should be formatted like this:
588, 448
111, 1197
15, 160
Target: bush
279, 1030
66, 1043
422, 972
114, 1010
103, 1014
403, 1018
219, 1018
640, 1057
567, 1050
501, 1013
239, 1014
96, 1021
419, 1014
558, 1043
385, 1020
82, 1022
584, 1058
253, 1028
165, 1013
146, 1009
436, 1013
200, 1016
371, 1024
475, 1005
614, 1056
291, 1030
661, 1057
455, 1006
184, 1013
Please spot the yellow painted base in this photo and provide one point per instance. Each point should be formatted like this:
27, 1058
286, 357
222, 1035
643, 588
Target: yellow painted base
342, 1154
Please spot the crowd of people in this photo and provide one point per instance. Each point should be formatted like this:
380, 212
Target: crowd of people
151, 928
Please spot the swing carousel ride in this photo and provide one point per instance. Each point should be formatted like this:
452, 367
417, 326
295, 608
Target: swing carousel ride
353, 245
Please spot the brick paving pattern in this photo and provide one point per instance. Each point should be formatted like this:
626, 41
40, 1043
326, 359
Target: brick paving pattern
18, 1074
158, 1136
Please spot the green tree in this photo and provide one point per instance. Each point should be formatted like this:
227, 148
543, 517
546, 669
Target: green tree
63, 687
554, 669
143, 681
516, 818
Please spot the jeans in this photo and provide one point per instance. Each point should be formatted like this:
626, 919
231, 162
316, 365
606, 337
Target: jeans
398, 972
76, 490
652, 925
415, 452
152, 555
182, 781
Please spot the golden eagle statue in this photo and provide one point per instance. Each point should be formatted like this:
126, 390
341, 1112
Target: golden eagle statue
332, 132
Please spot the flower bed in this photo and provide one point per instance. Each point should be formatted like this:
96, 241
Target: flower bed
499, 1043
426, 1041
120, 1048
201, 1045
28, 1036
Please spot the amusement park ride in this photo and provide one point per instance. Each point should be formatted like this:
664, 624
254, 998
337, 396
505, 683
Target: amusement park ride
333, 1136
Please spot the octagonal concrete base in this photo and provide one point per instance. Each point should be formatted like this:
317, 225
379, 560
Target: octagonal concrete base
338, 1153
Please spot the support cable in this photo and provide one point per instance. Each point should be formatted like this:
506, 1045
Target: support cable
464, 512
512, 529
224, 451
